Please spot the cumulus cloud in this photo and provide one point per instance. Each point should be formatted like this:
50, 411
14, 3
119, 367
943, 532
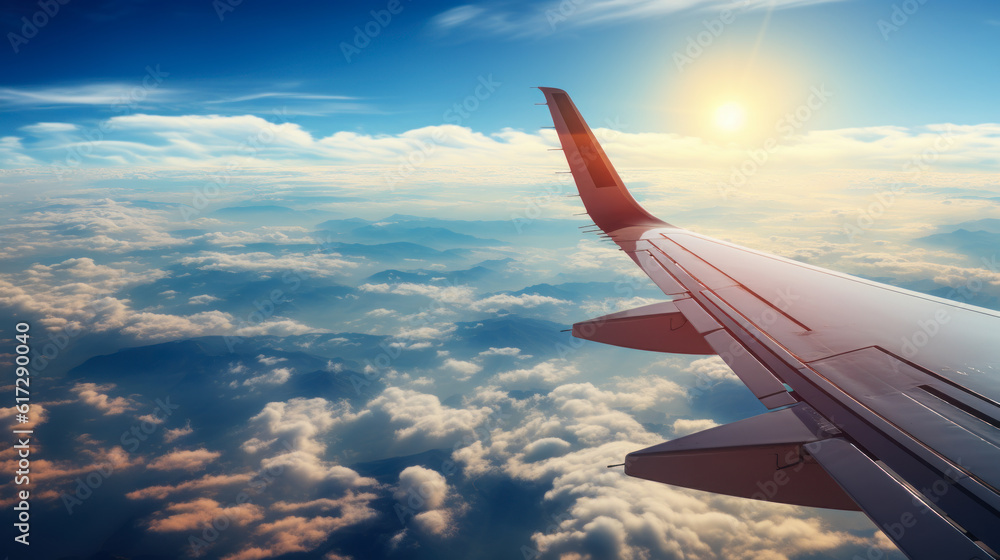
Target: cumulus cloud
506, 351
712, 369
75, 293
428, 487
198, 514
158, 326
270, 360
39, 415
684, 426
199, 485
308, 467
95, 395
81, 296
299, 423
300, 534
305, 264
542, 375
243, 238
422, 494
426, 332
504, 301
420, 416
187, 460
176, 433
202, 299
566, 438
276, 376
465, 370
444, 294
90, 457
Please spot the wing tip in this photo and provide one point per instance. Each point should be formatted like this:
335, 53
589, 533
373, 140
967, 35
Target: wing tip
607, 200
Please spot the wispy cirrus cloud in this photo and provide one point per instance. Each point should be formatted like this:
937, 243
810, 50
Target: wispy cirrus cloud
131, 97
98, 93
524, 20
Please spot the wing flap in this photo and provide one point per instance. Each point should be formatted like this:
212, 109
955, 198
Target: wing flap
659, 275
761, 382
759, 458
896, 391
659, 327
903, 516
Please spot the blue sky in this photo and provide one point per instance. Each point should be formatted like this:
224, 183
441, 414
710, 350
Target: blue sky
933, 68
357, 271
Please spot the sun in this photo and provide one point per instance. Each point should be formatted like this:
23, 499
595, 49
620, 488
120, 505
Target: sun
730, 117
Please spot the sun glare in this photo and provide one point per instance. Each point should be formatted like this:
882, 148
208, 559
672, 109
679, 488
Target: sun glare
730, 117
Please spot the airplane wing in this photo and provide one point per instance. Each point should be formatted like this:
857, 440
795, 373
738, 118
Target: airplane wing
882, 399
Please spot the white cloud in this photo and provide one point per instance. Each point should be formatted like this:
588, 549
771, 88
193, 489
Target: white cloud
299, 422
565, 439
48, 127
242, 238
95, 395
427, 488
506, 351
512, 20
423, 493
541, 375
198, 514
444, 294
684, 426
309, 468
276, 376
187, 460
176, 433
464, 369
503, 301
421, 417
110, 94
711, 370
270, 360
86, 225
200, 485
305, 264
300, 534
